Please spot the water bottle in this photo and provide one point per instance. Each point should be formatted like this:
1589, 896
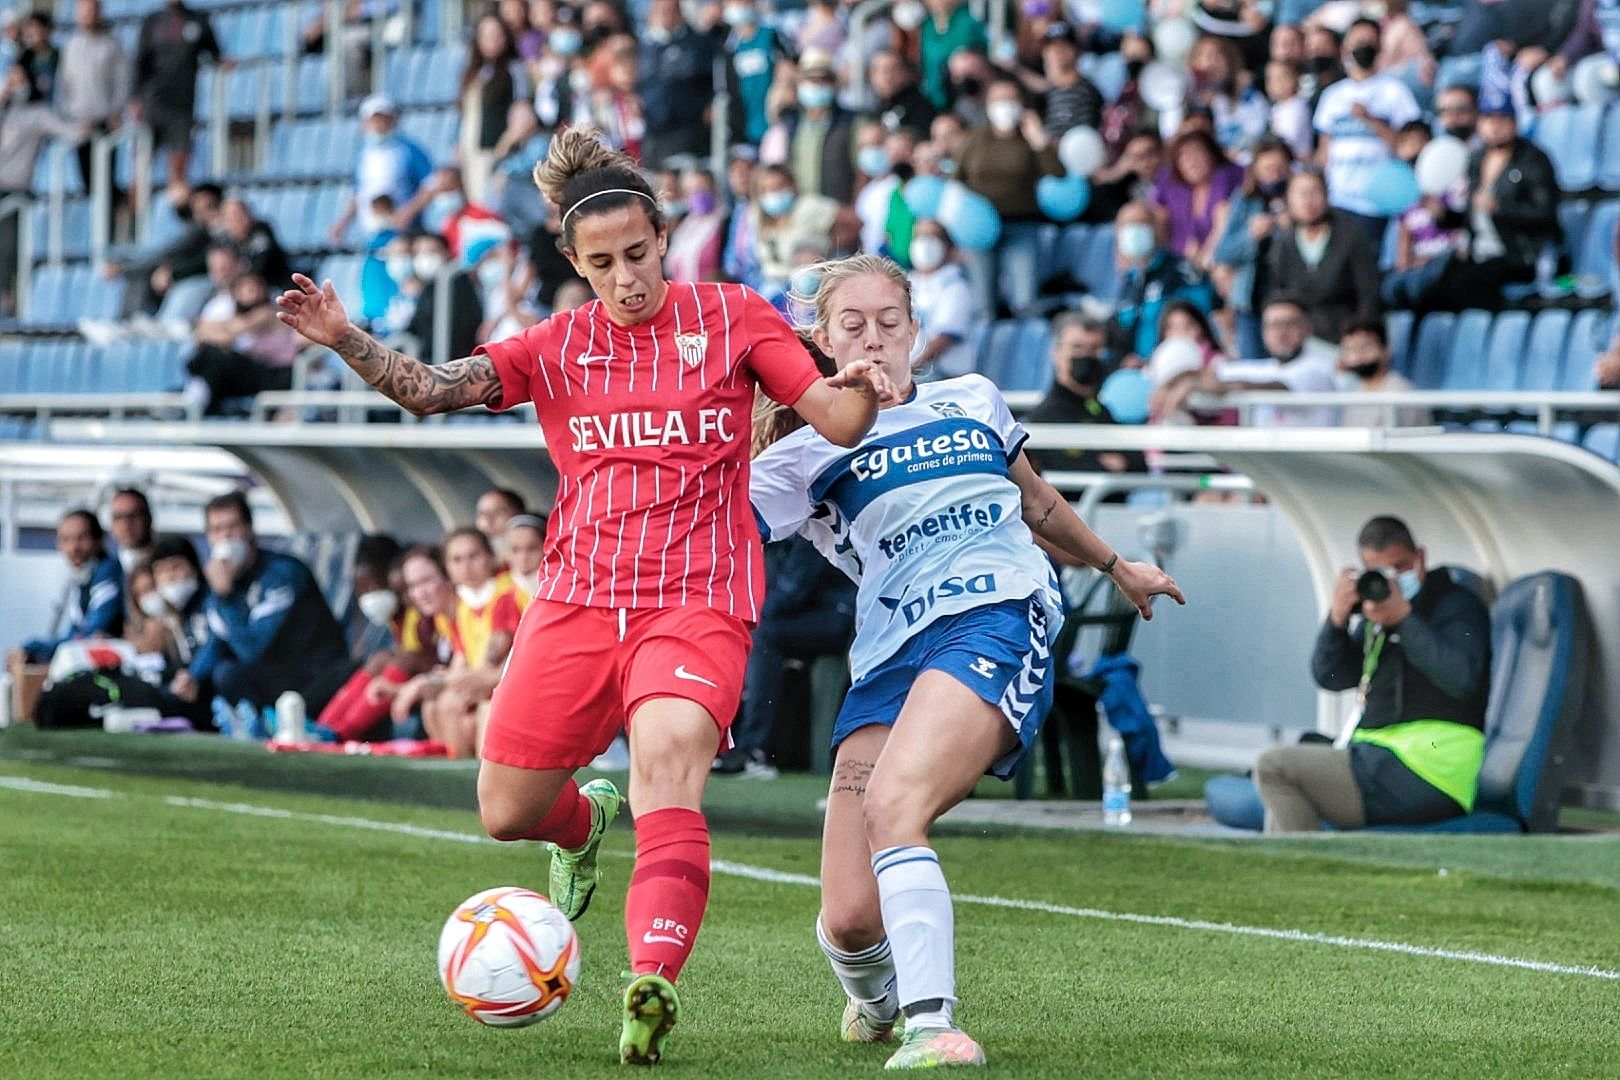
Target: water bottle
290, 719
5, 699
1116, 786
225, 718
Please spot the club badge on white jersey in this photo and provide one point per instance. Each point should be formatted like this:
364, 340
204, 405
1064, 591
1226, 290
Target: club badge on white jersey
923, 515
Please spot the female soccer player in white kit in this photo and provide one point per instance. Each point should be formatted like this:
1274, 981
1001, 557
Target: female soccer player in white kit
932, 515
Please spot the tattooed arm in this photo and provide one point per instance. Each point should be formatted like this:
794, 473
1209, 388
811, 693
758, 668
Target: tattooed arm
318, 315
1057, 527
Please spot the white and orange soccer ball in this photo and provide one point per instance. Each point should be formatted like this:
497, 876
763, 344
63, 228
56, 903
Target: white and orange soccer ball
508, 957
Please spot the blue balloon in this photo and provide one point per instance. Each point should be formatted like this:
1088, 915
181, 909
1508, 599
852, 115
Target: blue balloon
970, 218
1063, 198
922, 195
1392, 188
1119, 15
1125, 395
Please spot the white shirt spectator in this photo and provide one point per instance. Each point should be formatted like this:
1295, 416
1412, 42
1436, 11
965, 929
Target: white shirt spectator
1356, 149
1313, 371
945, 304
1291, 122
1377, 416
872, 205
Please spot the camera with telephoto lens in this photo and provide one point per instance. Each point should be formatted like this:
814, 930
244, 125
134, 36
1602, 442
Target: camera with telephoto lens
1375, 585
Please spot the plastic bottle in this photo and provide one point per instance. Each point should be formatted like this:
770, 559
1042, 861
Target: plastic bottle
1116, 786
290, 718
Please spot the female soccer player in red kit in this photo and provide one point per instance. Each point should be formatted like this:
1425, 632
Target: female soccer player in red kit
653, 569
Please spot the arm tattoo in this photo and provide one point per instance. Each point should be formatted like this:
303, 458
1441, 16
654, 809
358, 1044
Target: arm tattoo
421, 388
1051, 506
851, 777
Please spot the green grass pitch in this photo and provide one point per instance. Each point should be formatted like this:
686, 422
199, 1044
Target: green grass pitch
145, 936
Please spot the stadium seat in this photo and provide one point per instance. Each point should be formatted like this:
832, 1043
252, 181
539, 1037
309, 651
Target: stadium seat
1595, 264
185, 299
312, 83
1608, 177
1539, 647
1569, 135
1503, 353
1427, 358
50, 299
1398, 328
1543, 360
1604, 441
1097, 269
1572, 215
995, 356
13, 376
1464, 367
1589, 334
1030, 366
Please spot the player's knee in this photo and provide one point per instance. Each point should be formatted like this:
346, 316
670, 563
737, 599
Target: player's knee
504, 820
1271, 767
850, 927
891, 817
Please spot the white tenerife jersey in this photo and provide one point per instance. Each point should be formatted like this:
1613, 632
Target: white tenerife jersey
922, 515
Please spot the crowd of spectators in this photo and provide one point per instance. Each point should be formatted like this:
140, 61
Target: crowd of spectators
1245, 152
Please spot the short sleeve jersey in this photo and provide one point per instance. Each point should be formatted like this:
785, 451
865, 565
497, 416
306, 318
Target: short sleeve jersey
1357, 150
649, 428
923, 515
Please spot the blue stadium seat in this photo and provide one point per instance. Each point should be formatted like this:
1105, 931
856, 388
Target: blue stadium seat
205, 92
1097, 270
103, 299
1464, 367
1604, 441
1544, 351
1398, 328
163, 365
312, 80
242, 91
995, 356
344, 270
49, 299
116, 368
1589, 334
1031, 365
1502, 355
1071, 249
1572, 215
1569, 135
1596, 259
1608, 177
13, 376
1539, 648
1426, 365
72, 182
438, 74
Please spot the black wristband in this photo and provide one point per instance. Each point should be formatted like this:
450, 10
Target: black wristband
1108, 567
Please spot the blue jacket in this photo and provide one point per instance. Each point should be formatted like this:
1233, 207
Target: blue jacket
1143, 294
275, 619
94, 608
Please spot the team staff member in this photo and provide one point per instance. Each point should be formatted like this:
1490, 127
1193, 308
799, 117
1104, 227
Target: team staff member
95, 601
1421, 658
653, 565
933, 518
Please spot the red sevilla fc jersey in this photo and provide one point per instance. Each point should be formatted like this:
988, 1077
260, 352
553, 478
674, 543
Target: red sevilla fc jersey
649, 429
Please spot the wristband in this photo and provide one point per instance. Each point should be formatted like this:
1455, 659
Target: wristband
1108, 567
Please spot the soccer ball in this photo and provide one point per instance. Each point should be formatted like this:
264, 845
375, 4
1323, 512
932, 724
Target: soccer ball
508, 957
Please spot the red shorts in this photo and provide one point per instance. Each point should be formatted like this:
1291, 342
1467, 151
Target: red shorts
577, 674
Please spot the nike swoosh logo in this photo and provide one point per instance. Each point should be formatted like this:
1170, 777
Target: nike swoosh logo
682, 673
592, 359
651, 938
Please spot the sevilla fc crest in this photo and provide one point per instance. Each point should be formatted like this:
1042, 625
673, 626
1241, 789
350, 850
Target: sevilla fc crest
692, 347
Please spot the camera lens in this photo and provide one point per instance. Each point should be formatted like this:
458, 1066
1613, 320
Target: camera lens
1373, 585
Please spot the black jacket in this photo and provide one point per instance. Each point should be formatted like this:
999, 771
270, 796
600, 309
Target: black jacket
1526, 193
908, 110
466, 311
1344, 284
1435, 665
167, 55
1063, 406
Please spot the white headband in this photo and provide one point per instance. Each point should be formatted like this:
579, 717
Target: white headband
609, 191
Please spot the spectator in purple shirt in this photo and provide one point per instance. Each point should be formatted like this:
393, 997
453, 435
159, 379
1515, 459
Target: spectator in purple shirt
1196, 180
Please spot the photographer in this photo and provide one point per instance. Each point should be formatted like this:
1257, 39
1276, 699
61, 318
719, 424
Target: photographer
1420, 656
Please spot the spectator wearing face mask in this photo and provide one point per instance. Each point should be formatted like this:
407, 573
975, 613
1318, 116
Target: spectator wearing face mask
1079, 366
1002, 161
1242, 24
414, 263
944, 303
816, 139
885, 162
783, 220
553, 68
753, 50
676, 84
1457, 110
442, 206
513, 198
389, 163
697, 243
150, 274
1238, 112
94, 603
1321, 64
949, 28
1294, 361
179, 592
1068, 98
1358, 119
1128, 179
1364, 367
1150, 277
491, 80
353, 713
525, 550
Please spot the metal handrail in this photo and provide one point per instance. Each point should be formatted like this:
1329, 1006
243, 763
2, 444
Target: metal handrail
336, 76
45, 405
1546, 405
102, 148
291, 50
218, 127
22, 204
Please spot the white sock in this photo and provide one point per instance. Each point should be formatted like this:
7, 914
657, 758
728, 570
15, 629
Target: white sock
867, 976
917, 914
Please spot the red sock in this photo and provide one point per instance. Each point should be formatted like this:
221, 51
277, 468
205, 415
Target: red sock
668, 891
351, 693
568, 824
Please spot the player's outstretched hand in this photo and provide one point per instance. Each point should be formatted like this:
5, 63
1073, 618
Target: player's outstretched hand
1141, 582
864, 375
314, 312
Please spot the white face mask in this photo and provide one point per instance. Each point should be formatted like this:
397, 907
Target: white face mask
1004, 115
375, 222
477, 598
378, 605
491, 275
908, 14
231, 551
152, 606
427, 264
399, 268
81, 574
927, 252
177, 594
529, 583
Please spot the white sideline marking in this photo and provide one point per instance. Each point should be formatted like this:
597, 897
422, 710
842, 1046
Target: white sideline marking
783, 877
39, 787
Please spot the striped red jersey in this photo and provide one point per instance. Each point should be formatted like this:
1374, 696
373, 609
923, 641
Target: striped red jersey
649, 429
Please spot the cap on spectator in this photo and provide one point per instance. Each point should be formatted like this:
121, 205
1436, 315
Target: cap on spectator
1496, 105
745, 152
478, 249
814, 61
1060, 31
378, 105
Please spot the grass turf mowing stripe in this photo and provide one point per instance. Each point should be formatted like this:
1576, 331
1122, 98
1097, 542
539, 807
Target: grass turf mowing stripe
766, 874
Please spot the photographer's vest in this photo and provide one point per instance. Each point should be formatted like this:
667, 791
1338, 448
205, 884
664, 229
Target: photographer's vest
1440, 738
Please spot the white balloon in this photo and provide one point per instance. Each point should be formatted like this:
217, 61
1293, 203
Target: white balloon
1082, 151
1548, 88
1173, 40
1174, 356
1594, 79
1162, 87
1441, 164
